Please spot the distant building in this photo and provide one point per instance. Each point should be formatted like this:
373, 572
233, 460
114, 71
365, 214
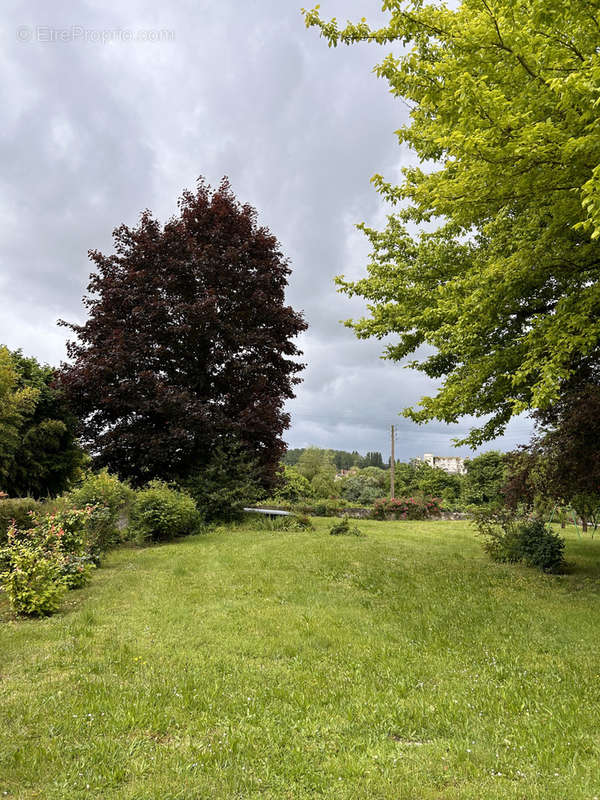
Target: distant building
343, 473
455, 465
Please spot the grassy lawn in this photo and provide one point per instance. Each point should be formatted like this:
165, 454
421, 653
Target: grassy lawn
253, 664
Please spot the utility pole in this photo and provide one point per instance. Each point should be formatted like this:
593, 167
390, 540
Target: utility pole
392, 467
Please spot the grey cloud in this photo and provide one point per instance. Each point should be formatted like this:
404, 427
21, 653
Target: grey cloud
94, 133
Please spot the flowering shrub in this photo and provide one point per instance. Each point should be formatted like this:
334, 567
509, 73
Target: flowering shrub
407, 507
33, 583
56, 552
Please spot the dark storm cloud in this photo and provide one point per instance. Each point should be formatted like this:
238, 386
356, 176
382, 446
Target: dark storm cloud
95, 132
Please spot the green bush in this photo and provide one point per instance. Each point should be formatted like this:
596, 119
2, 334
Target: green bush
33, 581
343, 528
292, 486
541, 547
107, 492
225, 485
55, 552
160, 512
68, 534
499, 530
17, 510
511, 539
365, 486
303, 522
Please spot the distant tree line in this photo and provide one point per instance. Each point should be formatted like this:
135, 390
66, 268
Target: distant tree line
313, 472
342, 459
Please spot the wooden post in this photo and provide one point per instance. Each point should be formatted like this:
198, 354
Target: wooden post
392, 467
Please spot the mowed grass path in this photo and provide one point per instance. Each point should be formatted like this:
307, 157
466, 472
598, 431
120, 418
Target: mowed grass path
254, 664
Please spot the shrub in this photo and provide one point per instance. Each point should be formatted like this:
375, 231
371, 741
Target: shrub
303, 522
541, 547
55, 552
292, 486
69, 534
509, 538
365, 486
407, 507
343, 528
33, 581
499, 530
102, 489
17, 510
76, 571
160, 512
228, 483
111, 499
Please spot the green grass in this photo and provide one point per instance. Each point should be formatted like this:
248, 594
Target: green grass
257, 664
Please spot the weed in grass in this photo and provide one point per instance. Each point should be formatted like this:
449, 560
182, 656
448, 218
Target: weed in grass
343, 528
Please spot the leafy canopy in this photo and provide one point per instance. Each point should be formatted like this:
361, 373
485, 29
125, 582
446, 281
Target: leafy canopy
39, 454
188, 354
497, 292
561, 462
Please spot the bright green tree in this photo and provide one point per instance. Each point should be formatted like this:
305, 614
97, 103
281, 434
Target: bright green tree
16, 406
437, 482
323, 484
491, 259
293, 486
486, 475
314, 461
39, 453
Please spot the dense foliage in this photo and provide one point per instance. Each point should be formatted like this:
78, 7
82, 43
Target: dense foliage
511, 538
160, 512
33, 580
293, 486
53, 553
39, 454
491, 260
486, 475
480, 486
228, 482
111, 498
188, 347
366, 485
561, 464
420, 507
15, 510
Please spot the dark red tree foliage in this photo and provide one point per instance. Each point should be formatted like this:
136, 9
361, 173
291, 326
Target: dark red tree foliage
189, 344
570, 445
562, 461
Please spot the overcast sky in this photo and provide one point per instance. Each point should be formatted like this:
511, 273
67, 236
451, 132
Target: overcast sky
111, 107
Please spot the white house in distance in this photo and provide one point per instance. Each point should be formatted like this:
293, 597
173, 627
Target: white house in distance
455, 465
